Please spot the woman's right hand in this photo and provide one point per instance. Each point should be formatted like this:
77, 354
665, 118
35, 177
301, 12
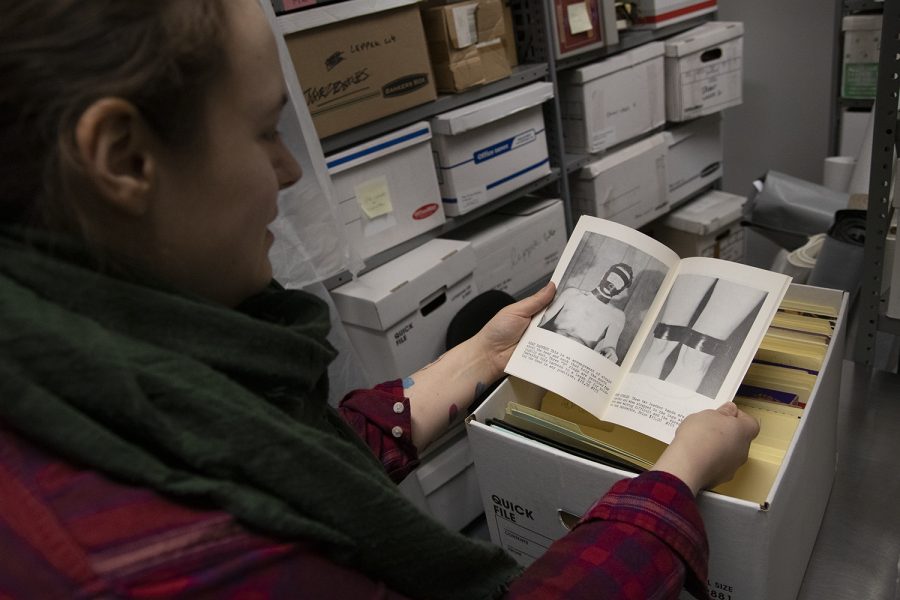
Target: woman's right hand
709, 446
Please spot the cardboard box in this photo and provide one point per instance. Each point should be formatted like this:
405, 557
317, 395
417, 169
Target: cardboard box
517, 245
614, 100
465, 41
580, 26
704, 70
397, 315
386, 189
708, 226
490, 148
859, 66
531, 491
445, 484
627, 186
652, 14
694, 158
362, 69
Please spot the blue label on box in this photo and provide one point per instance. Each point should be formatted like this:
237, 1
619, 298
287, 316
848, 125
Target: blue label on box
504, 146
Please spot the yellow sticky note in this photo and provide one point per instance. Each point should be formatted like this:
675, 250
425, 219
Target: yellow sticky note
374, 197
579, 18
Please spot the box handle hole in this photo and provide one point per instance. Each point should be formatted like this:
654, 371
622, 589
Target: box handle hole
713, 54
433, 302
567, 519
709, 170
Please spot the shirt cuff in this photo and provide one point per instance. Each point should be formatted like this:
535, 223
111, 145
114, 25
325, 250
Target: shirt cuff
381, 416
663, 505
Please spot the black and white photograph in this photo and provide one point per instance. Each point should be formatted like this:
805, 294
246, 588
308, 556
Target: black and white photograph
604, 295
699, 331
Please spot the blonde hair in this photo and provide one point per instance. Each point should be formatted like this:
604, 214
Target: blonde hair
57, 57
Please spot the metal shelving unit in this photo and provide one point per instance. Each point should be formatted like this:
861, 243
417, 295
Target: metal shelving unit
534, 37
884, 143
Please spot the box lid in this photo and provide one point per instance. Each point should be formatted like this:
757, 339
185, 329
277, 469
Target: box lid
380, 298
335, 12
486, 111
656, 142
709, 212
711, 33
394, 141
526, 206
703, 125
618, 62
487, 233
861, 22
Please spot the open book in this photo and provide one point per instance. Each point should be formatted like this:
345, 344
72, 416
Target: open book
640, 338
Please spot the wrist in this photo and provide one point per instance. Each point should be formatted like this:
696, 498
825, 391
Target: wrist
485, 367
680, 469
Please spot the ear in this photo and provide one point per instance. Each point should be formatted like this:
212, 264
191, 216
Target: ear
114, 145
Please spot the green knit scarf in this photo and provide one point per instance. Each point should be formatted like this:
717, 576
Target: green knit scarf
205, 404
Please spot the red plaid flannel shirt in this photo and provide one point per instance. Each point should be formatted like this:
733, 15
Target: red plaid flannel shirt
66, 532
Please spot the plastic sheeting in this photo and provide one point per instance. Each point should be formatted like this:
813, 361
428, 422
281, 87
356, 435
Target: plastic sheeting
789, 210
311, 244
840, 261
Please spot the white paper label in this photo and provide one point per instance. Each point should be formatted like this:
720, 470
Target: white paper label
471, 199
579, 18
464, 23
600, 140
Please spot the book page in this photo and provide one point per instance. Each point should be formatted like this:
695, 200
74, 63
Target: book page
608, 281
699, 346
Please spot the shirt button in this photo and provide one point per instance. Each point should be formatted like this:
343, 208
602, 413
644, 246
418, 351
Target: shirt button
397, 431
398, 407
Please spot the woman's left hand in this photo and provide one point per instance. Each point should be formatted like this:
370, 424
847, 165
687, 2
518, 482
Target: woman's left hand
497, 340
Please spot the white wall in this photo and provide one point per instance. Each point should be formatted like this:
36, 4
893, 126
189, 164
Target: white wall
784, 121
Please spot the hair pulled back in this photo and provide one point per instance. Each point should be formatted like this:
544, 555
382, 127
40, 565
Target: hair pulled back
57, 57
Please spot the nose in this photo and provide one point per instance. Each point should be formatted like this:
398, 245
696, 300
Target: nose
287, 168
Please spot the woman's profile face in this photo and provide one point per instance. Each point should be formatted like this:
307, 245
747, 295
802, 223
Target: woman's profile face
209, 220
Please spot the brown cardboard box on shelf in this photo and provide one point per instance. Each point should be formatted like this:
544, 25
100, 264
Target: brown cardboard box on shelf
363, 69
466, 43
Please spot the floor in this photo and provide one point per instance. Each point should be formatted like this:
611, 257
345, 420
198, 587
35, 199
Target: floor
858, 547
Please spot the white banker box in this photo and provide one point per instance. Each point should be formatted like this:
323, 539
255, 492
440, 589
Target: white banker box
517, 245
386, 189
704, 67
627, 186
489, 148
706, 226
397, 315
445, 484
694, 158
859, 64
615, 100
757, 551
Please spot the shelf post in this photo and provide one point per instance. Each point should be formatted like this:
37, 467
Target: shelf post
879, 208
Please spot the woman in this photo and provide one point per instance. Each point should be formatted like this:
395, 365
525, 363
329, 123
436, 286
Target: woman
163, 424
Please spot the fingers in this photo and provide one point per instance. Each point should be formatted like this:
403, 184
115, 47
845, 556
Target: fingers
746, 424
749, 425
729, 408
535, 302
